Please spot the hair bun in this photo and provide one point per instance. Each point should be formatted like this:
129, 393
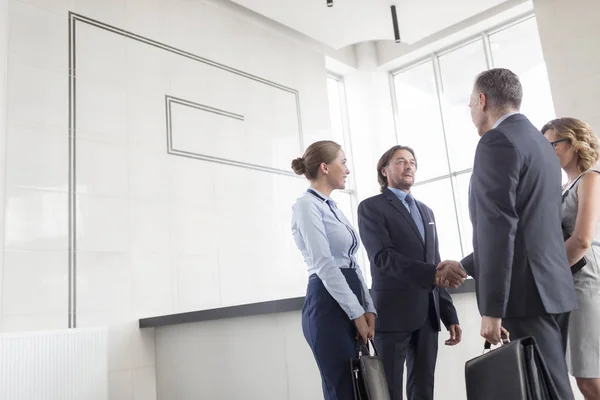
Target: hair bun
299, 166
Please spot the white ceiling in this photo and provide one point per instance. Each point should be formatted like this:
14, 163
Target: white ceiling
353, 21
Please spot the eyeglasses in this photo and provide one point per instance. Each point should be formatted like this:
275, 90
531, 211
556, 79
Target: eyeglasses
558, 141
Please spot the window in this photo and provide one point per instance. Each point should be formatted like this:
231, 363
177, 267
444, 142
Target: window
433, 117
457, 71
438, 196
334, 91
337, 115
462, 182
518, 48
346, 199
419, 119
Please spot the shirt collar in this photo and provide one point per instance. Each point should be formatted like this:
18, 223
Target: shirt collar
502, 118
320, 196
401, 194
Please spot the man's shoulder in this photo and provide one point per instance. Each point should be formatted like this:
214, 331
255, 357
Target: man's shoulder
372, 201
508, 137
497, 135
513, 129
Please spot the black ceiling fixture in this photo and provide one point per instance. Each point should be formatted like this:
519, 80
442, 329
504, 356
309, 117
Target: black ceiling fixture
329, 3
395, 23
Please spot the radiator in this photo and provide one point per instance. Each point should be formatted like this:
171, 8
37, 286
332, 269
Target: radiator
54, 365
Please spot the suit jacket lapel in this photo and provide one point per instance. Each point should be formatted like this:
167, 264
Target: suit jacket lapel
397, 204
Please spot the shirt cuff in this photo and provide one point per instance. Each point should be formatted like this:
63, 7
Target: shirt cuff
354, 314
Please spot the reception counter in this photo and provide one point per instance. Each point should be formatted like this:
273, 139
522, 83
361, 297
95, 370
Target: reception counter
245, 310
258, 351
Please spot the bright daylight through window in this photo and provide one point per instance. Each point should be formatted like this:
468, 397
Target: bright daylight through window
433, 117
339, 134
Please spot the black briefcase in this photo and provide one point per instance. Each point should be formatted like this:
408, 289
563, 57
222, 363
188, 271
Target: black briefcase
368, 375
514, 371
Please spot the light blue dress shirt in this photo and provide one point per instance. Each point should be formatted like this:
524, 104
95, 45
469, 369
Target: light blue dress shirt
328, 243
401, 194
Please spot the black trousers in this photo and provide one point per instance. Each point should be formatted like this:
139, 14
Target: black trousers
419, 349
550, 333
331, 335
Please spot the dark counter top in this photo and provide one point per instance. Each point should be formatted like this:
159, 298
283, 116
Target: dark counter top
245, 310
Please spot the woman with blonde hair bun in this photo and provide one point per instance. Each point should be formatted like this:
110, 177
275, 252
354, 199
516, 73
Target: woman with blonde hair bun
576, 146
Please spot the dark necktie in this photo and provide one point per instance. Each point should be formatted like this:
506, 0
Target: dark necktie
416, 216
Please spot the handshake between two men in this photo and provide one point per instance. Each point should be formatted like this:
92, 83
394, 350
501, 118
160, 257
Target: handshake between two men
450, 274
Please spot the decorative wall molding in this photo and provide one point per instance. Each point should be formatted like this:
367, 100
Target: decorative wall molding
170, 100
74, 19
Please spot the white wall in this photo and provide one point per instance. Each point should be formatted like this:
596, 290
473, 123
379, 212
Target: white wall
3, 98
154, 233
570, 38
267, 358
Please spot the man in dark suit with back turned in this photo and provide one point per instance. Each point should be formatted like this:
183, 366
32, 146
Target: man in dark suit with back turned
519, 261
401, 240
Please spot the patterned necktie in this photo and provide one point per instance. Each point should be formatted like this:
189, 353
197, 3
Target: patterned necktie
416, 216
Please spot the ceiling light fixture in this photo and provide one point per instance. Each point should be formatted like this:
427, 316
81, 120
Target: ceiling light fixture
395, 23
329, 3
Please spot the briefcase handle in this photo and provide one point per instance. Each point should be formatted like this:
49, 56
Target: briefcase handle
360, 345
504, 339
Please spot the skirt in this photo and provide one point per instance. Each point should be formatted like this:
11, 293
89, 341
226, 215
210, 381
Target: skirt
331, 335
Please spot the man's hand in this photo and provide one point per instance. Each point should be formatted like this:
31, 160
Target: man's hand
371, 323
491, 329
450, 274
455, 335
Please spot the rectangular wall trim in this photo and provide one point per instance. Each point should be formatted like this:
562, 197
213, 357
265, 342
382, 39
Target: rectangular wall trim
170, 100
73, 19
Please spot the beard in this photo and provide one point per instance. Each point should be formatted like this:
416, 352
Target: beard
403, 183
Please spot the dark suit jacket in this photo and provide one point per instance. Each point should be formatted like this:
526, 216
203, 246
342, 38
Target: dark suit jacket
519, 260
402, 264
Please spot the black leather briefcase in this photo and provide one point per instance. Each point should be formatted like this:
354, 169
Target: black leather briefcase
514, 371
368, 375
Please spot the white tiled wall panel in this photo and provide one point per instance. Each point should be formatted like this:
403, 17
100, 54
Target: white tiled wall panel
4, 29
155, 232
34, 282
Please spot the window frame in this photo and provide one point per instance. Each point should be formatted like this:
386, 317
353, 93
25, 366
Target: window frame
352, 193
434, 58
347, 145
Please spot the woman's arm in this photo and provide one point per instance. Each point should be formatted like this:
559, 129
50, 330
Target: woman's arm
588, 214
369, 307
310, 224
